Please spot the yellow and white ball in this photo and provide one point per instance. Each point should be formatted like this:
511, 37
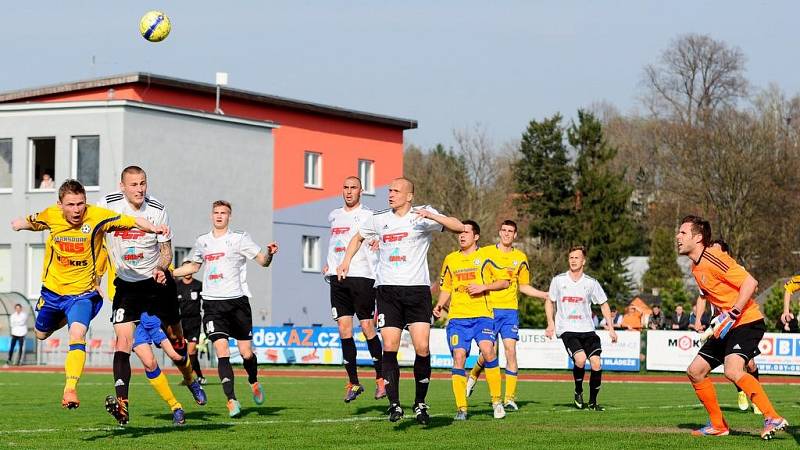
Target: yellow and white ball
155, 26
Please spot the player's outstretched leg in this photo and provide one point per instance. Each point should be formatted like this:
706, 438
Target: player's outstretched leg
704, 389
458, 378
73, 368
391, 373
474, 375
422, 379
353, 388
578, 372
251, 367
376, 352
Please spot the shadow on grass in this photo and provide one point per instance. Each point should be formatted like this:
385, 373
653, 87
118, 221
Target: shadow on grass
135, 432
436, 422
695, 426
361, 410
261, 411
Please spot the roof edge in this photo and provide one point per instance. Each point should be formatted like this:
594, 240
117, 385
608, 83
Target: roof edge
160, 80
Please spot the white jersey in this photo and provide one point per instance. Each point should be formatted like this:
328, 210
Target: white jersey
574, 301
224, 259
403, 246
344, 225
133, 252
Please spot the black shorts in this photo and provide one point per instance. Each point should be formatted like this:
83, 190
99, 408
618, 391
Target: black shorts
228, 318
191, 329
353, 295
742, 340
131, 299
588, 342
399, 306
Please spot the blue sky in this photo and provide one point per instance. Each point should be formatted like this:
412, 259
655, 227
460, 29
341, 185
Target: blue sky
448, 64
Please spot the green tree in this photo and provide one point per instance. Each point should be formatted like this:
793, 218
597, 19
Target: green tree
543, 180
663, 260
672, 294
603, 220
773, 306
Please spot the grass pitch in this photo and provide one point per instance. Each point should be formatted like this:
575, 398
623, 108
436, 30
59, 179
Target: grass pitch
309, 413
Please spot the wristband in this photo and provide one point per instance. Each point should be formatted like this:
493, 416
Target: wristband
734, 313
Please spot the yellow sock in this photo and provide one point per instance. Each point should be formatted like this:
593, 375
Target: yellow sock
494, 382
511, 385
73, 366
159, 382
476, 370
459, 377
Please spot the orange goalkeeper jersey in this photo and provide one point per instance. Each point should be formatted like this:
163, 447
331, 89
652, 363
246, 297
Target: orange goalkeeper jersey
719, 278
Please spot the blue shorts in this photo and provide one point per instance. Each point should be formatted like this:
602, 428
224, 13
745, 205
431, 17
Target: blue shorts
148, 331
461, 332
506, 323
51, 309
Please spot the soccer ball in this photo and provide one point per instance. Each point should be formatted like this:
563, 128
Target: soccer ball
154, 26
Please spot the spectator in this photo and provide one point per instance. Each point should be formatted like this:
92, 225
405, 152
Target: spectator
19, 329
680, 320
47, 182
656, 320
616, 319
705, 319
632, 319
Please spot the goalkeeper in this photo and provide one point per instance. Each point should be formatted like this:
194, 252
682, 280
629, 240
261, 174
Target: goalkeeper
737, 330
752, 369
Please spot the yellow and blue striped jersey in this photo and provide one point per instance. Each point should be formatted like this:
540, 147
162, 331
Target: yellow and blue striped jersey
793, 284
458, 272
70, 258
515, 264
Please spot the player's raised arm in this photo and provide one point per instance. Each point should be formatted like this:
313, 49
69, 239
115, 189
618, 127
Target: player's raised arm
19, 224
450, 223
147, 226
265, 258
531, 291
189, 268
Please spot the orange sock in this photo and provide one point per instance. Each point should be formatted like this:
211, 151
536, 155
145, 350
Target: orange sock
708, 397
756, 394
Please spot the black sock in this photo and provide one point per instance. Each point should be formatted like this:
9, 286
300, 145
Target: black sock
251, 366
578, 373
349, 357
422, 377
594, 384
226, 376
375, 351
122, 373
391, 373
196, 364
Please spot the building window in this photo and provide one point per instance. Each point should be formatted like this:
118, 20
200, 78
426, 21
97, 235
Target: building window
42, 163
366, 171
86, 161
35, 263
313, 170
5, 165
311, 254
5, 268
179, 254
